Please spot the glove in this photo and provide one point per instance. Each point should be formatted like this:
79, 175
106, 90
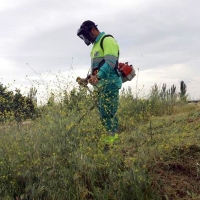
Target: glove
93, 80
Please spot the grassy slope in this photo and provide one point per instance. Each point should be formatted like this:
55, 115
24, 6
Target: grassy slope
169, 148
152, 160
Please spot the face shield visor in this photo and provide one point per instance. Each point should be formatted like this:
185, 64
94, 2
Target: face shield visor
83, 35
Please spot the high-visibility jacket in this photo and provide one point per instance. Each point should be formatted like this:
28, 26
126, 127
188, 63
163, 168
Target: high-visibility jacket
107, 72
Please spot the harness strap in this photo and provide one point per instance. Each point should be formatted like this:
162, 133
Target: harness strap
103, 61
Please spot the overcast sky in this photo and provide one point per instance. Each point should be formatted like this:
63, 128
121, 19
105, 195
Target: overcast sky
38, 41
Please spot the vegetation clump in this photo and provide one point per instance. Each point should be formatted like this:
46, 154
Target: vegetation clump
59, 154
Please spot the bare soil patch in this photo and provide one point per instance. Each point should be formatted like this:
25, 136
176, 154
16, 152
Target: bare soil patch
178, 176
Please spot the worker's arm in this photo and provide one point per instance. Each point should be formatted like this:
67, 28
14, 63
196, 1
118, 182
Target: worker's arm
111, 50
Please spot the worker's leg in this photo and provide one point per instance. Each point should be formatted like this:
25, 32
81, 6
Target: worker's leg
108, 104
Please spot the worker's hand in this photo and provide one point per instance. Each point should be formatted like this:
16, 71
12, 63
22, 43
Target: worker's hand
93, 80
82, 81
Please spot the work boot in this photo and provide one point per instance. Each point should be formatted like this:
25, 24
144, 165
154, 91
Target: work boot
109, 140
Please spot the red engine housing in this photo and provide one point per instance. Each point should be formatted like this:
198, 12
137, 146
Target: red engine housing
125, 69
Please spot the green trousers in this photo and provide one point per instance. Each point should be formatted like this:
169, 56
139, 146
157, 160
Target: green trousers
108, 100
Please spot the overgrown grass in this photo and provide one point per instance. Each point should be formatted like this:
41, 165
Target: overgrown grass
59, 155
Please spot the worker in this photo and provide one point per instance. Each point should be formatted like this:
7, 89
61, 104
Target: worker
104, 75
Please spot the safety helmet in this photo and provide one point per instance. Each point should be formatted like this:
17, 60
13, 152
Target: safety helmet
84, 31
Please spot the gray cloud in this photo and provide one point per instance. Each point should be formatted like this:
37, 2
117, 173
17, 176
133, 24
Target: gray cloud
152, 34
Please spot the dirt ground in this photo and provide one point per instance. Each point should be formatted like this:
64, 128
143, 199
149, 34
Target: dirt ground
178, 177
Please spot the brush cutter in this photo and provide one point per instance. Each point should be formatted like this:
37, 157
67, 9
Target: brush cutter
83, 83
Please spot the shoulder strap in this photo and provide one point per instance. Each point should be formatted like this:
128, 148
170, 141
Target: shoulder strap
102, 39
102, 62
